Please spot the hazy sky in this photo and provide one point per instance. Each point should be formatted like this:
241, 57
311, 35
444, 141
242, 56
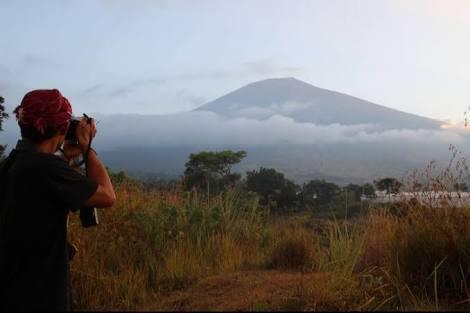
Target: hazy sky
146, 56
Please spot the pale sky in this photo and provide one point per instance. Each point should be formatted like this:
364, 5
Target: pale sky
155, 57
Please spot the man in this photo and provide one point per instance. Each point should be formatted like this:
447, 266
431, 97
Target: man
38, 189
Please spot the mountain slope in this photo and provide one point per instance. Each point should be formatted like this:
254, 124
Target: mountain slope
339, 151
306, 103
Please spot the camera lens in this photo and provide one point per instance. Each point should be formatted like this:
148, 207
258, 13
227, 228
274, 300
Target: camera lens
72, 131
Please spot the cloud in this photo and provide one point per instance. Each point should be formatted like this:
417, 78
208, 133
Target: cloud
265, 67
5, 78
30, 60
186, 96
256, 112
117, 91
246, 70
121, 91
4, 70
91, 90
145, 87
150, 81
207, 128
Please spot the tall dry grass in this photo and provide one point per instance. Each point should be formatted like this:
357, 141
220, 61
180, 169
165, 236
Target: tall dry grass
407, 256
152, 242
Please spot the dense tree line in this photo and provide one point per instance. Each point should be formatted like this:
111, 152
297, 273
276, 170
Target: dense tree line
211, 172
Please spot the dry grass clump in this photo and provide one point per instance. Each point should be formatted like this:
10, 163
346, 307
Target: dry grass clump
431, 247
423, 256
432, 252
343, 248
158, 244
422, 245
155, 241
379, 234
294, 249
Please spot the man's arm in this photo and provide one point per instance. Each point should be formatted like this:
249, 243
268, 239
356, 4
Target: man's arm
104, 196
96, 172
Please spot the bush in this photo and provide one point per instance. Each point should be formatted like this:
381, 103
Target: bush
344, 248
432, 251
275, 190
295, 250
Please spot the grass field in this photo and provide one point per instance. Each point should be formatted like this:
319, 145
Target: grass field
166, 249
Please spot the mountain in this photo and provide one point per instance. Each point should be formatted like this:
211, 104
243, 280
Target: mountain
301, 130
304, 131
309, 104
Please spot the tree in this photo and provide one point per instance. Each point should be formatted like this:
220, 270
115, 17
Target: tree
354, 191
3, 116
390, 185
318, 193
274, 188
368, 190
209, 170
357, 191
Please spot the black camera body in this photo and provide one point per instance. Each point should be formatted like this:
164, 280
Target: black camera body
72, 131
88, 215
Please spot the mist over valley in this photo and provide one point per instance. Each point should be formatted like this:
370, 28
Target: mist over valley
303, 131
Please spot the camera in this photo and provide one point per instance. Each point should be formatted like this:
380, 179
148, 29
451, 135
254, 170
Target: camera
72, 131
88, 215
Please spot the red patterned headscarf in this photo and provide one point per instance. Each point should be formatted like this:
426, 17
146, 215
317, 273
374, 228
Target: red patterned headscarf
44, 108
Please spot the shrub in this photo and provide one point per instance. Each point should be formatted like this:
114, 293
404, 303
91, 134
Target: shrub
432, 251
344, 248
295, 249
380, 231
275, 190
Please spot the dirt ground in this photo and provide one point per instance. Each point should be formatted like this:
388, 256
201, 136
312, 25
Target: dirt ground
249, 291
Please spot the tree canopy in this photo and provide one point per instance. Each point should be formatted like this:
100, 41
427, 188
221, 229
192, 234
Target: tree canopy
319, 193
357, 191
274, 188
388, 184
212, 170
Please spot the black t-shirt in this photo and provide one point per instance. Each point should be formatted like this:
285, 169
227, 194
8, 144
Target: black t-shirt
38, 192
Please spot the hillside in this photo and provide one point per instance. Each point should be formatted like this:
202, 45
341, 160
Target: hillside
303, 131
306, 103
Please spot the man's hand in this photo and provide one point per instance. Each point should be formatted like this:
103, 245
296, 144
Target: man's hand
86, 130
71, 151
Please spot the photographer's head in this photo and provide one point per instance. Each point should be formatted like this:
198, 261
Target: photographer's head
44, 115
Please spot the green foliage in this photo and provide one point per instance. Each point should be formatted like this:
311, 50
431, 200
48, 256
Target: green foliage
350, 201
318, 194
354, 191
211, 171
368, 190
391, 185
122, 178
275, 190
345, 248
3, 116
